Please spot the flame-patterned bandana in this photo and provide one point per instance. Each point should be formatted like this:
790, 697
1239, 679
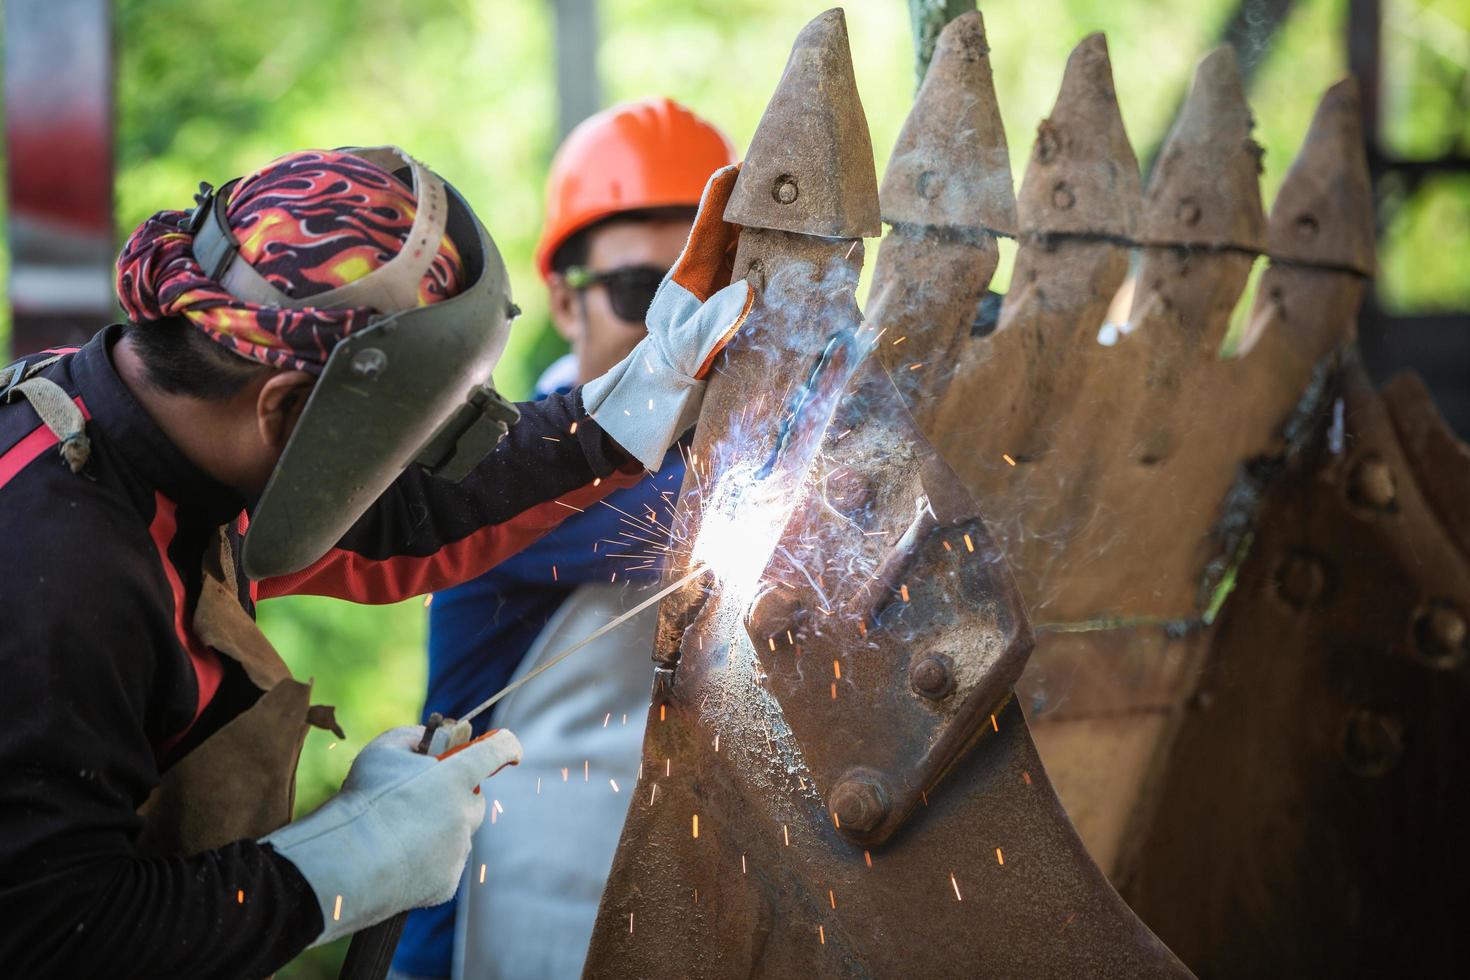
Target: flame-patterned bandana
308, 222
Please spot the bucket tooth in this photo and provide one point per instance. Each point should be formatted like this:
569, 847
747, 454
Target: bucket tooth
950, 166
809, 169
1323, 214
1205, 190
1083, 176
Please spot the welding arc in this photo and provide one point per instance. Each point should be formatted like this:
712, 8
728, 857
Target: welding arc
694, 573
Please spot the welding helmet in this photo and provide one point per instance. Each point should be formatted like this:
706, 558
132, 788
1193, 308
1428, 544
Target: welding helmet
413, 386
652, 153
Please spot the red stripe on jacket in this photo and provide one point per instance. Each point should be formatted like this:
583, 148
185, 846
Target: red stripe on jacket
347, 575
23, 453
208, 671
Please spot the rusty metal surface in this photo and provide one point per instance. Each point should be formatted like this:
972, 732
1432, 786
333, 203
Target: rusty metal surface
950, 166
809, 167
1311, 817
872, 683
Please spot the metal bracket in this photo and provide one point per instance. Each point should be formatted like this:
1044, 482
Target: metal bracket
470, 435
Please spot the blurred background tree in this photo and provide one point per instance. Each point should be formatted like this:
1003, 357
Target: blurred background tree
209, 89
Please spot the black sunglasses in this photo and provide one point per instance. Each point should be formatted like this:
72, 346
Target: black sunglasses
630, 289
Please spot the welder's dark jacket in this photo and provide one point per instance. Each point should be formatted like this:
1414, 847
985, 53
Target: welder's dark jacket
103, 685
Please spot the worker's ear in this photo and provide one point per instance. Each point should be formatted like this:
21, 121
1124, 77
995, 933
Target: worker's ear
566, 308
279, 405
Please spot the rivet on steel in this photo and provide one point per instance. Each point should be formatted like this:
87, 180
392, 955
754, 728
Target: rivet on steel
1062, 197
1439, 633
932, 677
785, 190
928, 184
859, 803
1372, 484
369, 363
1188, 211
1301, 580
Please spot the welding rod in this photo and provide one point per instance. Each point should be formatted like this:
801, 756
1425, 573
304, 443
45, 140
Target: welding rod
693, 574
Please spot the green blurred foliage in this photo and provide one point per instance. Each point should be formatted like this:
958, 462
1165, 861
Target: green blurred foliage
209, 89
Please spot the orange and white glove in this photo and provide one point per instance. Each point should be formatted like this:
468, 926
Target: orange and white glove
652, 397
397, 835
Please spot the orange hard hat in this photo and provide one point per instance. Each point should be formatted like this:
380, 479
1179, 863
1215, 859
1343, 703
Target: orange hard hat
653, 153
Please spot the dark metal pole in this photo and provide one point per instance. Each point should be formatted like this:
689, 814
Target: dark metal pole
928, 18
578, 83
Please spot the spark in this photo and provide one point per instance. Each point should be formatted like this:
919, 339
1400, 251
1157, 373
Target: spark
596, 481
789, 640
836, 822
614, 783
578, 510
498, 807
1026, 776
1007, 458
786, 833
482, 874
868, 857
337, 910
903, 590
956, 884
563, 773
606, 718
630, 923
899, 340
332, 746
240, 896
662, 711
551, 438
772, 641
553, 574
915, 367
1000, 858
834, 690
837, 669
924, 794
668, 766
969, 545
717, 741
625, 721
832, 897
428, 600
586, 770
538, 785
946, 546
822, 935
696, 832
993, 724
650, 404
850, 249
742, 864
573, 430
652, 794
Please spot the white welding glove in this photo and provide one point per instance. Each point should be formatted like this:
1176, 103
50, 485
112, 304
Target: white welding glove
397, 835
652, 396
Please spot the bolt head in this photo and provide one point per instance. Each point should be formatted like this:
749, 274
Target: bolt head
1062, 197
1301, 580
859, 803
1439, 633
932, 676
1372, 484
785, 190
369, 363
1188, 213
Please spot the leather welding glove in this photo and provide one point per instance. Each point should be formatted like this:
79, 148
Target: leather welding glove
397, 835
652, 396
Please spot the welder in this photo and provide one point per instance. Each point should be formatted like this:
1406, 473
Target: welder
299, 402
621, 196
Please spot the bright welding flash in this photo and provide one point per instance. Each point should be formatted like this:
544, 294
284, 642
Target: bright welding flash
740, 528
